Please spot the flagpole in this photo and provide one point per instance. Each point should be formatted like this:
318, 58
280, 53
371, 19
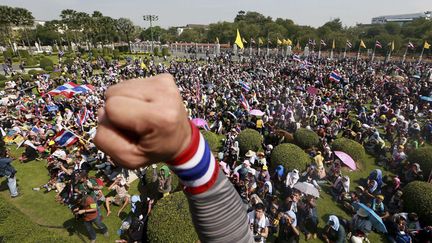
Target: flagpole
345, 51
421, 55
373, 53
404, 56
319, 50
358, 53
250, 47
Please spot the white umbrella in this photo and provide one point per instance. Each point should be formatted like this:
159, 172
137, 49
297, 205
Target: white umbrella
307, 188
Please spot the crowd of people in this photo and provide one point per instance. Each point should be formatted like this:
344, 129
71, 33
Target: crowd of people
374, 103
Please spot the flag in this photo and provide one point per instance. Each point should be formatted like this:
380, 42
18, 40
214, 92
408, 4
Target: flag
244, 41
288, 42
426, 45
334, 44
410, 45
296, 58
362, 44
252, 41
244, 102
391, 45
65, 138
238, 40
260, 41
82, 117
322, 42
279, 42
378, 44
335, 76
217, 40
244, 85
19, 140
34, 131
348, 44
143, 65
70, 89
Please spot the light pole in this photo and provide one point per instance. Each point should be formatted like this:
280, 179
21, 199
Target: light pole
151, 18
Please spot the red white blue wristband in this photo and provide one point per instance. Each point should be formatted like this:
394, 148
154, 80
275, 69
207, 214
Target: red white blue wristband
196, 166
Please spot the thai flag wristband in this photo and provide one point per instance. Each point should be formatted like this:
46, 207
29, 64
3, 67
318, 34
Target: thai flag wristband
196, 166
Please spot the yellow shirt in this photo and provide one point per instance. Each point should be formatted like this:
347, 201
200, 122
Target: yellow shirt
259, 123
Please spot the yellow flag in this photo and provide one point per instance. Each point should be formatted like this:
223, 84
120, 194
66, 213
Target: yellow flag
143, 66
392, 46
334, 44
289, 42
362, 44
238, 40
260, 41
279, 42
244, 41
217, 40
426, 45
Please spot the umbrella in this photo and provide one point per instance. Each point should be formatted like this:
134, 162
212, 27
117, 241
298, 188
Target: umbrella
232, 114
312, 90
256, 112
426, 98
346, 159
376, 220
199, 122
307, 188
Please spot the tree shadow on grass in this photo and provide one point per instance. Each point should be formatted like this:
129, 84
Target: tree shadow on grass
3, 184
75, 227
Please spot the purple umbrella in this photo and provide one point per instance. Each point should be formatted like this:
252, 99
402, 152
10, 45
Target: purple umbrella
199, 122
346, 159
256, 112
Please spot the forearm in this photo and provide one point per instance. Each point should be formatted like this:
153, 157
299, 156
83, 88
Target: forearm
217, 211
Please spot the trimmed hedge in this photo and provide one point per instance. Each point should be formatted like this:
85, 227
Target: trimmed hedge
290, 156
171, 221
422, 156
2, 77
16, 227
46, 62
351, 147
213, 140
249, 139
30, 62
152, 187
417, 196
306, 138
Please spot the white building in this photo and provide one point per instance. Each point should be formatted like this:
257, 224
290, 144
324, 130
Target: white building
401, 18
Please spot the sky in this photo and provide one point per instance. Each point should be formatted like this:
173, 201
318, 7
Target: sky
181, 12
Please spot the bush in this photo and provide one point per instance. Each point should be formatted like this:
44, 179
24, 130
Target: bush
16, 59
152, 187
8, 53
171, 221
54, 49
35, 72
156, 51
422, 156
2, 77
289, 156
46, 62
165, 51
24, 53
213, 140
306, 138
249, 139
49, 68
417, 196
68, 61
351, 147
30, 62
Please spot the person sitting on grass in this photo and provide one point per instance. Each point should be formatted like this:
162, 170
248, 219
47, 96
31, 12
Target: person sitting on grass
122, 197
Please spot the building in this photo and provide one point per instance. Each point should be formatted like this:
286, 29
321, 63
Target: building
401, 18
35, 24
190, 26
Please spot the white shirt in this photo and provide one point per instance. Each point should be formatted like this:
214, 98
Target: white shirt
262, 223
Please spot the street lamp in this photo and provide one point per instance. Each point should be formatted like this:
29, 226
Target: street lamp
151, 18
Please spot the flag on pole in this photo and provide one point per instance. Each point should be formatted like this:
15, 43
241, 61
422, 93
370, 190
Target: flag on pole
410, 45
217, 40
362, 44
296, 58
260, 41
244, 41
238, 40
335, 76
378, 44
65, 138
322, 42
348, 44
252, 41
244, 86
244, 102
279, 42
289, 42
82, 117
70, 89
391, 45
426, 45
334, 44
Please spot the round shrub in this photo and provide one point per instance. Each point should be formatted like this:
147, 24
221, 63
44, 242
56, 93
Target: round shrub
422, 156
213, 140
152, 187
165, 51
306, 138
24, 53
171, 221
249, 139
49, 69
290, 156
2, 77
30, 62
417, 196
68, 61
46, 62
351, 147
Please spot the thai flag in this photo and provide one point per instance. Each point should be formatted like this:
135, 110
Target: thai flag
311, 42
82, 117
244, 102
411, 45
244, 86
378, 44
65, 138
348, 44
70, 89
335, 76
296, 58
323, 43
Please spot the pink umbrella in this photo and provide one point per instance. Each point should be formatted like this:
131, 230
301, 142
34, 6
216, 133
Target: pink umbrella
346, 159
256, 112
312, 90
199, 122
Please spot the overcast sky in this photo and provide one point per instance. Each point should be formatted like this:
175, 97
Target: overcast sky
182, 12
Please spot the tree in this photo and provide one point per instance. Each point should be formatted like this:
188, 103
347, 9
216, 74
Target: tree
126, 27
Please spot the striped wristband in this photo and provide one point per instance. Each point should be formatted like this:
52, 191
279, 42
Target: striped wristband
196, 166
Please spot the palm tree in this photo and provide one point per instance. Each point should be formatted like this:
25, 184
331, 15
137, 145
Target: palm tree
126, 27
